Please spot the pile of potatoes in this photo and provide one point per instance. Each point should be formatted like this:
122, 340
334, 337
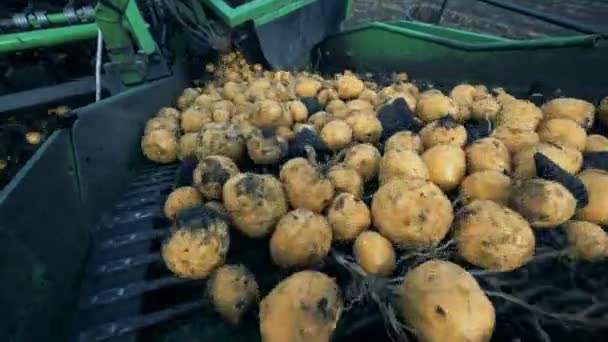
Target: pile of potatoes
429, 183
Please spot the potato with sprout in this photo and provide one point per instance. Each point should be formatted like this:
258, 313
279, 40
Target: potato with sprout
433, 105
486, 108
160, 146
596, 143
306, 306
304, 185
543, 203
364, 158
493, 236
255, 203
488, 154
180, 199
194, 118
404, 140
516, 139
374, 253
232, 290
336, 134
586, 240
345, 179
401, 164
348, 217
486, 185
412, 213
198, 244
443, 131
441, 301
596, 183
212, 173
301, 238
365, 126
446, 164
580, 111
563, 132
567, 158
225, 139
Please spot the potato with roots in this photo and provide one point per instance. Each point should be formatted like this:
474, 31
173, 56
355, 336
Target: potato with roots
301, 238
187, 145
160, 146
404, 140
519, 114
365, 126
441, 302
349, 87
488, 154
401, 164
596, 143
567, 158
492, 236
304, 186
194, 118
412, 213
198, 244
346, 179
255, 203
265, 147
336, 134
486, 108
446, 164
348, 217
563, 132
443, 131
374, 253
586, 241
486, 185
225, 139
433, 105
544, 203
582, 112
180, 199
212, 173
596, 183
165, 123
364, 158
515, 139
305, 306
232, 290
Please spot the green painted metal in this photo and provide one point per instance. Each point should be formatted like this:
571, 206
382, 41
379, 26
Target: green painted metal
258, 11
46, 38
139, 28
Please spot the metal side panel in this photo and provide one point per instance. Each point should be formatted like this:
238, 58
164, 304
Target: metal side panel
43, 245
107, 136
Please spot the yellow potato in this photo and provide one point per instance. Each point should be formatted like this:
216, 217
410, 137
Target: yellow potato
304, 185
169, 112
232, 290
432, 105
374, 253
194, 118
443, 131
161, 122
180, 199
401, 164
212, 173
441, 302
563, 132
307, 87
596, 143
446, 165
545, 204
187, 145
348, 217
301, 239
404, 140
304, 307
412, 213
586, 240
582, 112
349, 87
485, 108
567, 158
486, 185
160, 146
364, 158
298, 110
516, 139
596, 182
320, 119
224, 139
488, 154
493, 236
336, 134
519, 114
345, 179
